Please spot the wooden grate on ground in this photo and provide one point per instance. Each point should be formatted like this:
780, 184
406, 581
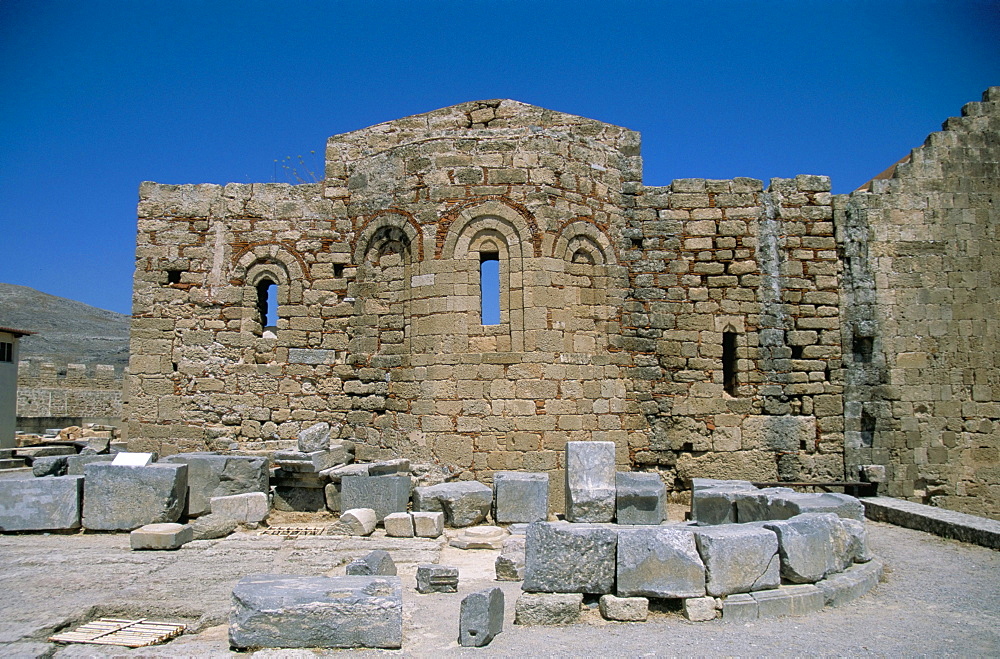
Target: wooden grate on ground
128, 633
293, 531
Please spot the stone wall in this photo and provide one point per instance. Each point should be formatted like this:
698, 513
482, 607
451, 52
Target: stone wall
55, 396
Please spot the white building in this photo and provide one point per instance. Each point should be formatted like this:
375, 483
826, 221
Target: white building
9, 355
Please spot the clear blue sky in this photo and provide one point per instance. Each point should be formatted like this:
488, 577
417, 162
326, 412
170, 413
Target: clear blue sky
97, 96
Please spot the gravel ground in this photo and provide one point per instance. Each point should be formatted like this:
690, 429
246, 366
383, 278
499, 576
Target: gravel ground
939, 597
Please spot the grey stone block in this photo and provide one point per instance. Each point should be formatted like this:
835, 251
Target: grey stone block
626, 609
945, 523
123, 498
313, 461
358, 521
715, 505
211, 475
464, 503
738, 558
771, 503
437, 579
300, 499
480, 618
76, 463
53, 465
383, 494
394, 467
248, 507
569, 558
509, 565
811, 546
284, 611
160, 536
590, 481
714, 483
335, 474
859, 550
428, 524
788, 601
315, 438
739, 608
40, 504
851, 584
374, 563
842, 505
212, 526
520, 497
659, 562
547, 608
639, 498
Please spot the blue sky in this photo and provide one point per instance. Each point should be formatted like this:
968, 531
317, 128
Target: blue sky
97, 96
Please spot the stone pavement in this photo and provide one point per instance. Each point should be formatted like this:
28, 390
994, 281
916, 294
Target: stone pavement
939, 597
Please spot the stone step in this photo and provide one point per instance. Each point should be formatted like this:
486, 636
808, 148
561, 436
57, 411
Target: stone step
11, 463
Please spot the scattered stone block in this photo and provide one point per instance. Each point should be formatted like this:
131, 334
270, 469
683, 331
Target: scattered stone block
313, 461
660, 562
40, 504
437, 579
76, 463
249, 507
212, 526
428, 524
374, 563
739, 608
859, 549
788, 601
211, 475
771, 503
465, 503
51, 465
394, 467
590, 481
383, 494
738, 558
284, 611
700, 609
811, 546
335, 474
520, 497
479, 537
160, 536
547, 608
358, 521
851, 584
480, 618
626, 609
509, 565
123, 498
315, 438
398, 525
34, 452
717, 504
842, 505
569, 558
639, 498
872, 473
299, 499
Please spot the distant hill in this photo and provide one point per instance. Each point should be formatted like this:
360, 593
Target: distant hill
68, 331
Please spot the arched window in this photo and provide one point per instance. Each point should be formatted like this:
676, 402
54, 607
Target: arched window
267, 304
489, 287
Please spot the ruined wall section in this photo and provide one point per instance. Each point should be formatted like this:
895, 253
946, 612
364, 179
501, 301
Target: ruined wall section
923, 330
75, 391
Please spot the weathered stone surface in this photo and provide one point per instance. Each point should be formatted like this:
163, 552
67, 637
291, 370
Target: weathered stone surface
335, 474
76, 463
811, 546
53, 465
211, 526
717, 504
316, 612
859, 550
640, 498
479, 537
437, 579
569, 558
771, 503
627, 609
315, 438
396, 466
218, 476
40, 504
788, 601
374, 563
520, 497
715, 483
299, 499
383, 494
428, 524
738, 558
590, 481
121, 498
247, 507
480, 618
945, 523
739, 608
842, 505
659, 562
547, 608
509, 564
160, 536
464, 503
700, 609
313, 461
358, 521
850, 584
398, 525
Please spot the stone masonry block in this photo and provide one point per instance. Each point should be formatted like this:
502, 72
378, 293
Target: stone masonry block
437, 579
640, 498
811, 546
480, 617
547, 608
739, 608
218, 476
428, 524
398, 525
627, 609
738, 558
464, 503
659, 562
569, 558
40, 504
123, 498
383, 494
161, 536
520, 497
590, 481
700, 609
788, 601
374, 563
248, 507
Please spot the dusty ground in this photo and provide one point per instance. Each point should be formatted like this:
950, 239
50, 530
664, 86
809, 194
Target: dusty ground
939, 597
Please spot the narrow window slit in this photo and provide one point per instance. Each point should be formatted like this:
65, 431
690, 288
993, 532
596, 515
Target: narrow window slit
489, 287
729, 380
867, 429
863, 347
267, 303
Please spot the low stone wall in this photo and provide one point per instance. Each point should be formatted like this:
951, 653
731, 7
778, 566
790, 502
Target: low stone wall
55, 396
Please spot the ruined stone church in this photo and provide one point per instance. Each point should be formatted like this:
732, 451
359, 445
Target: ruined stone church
709, 328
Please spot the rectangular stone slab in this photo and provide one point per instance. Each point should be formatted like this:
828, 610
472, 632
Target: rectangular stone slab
383, 494
123, 498
590, 481
640, 498
286, 611
41, 504
569, 558
659, 561
520, 497
219, 476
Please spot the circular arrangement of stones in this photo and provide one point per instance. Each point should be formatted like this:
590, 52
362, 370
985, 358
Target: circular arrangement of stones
746, 553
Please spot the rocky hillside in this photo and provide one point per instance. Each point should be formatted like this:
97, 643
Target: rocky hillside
68, 331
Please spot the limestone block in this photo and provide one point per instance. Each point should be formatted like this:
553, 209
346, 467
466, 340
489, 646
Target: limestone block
479, 537
509, 564
738, 558
315, 438
358, 521
480, 618
714, 501
569, 558
374, 563
313, 461
859, 550
590, 481
739, 608
299, 499
437, 579
40, 504
123, 498
639, 498
464, 503
700, 609
248, 507
842, 505
811, 546
398, 525
392, 467
160, 536
713, 483
212, 475
284, 611
771, 503
383, 494
51, 465
628, 609
788, 601
211, 526
547, 608
428, 524
335, 474
520, 497
851, 584
659, 562
76, 463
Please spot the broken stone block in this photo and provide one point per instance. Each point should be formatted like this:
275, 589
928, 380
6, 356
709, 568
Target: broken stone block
480, 618
569, 558
547, 608
160, 536
76, 463
626, 609
398, 525
700, 609
465, 503
313, 461
590, 481
739, 608
285, 611
639, 498
123, 498
808, 546
358, 521
851, 584
842, 505
872, 473
714, 502
248, 507
859, 550
212, 526
374, 563
659, 562
53, 465
788, 601
335, 476
211, 475
41, 504
479, 537
383, 494
520, 497
394, 467
509, 565
299, 499
315, 438
770, 503
437, 579
428, 524
738, 558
